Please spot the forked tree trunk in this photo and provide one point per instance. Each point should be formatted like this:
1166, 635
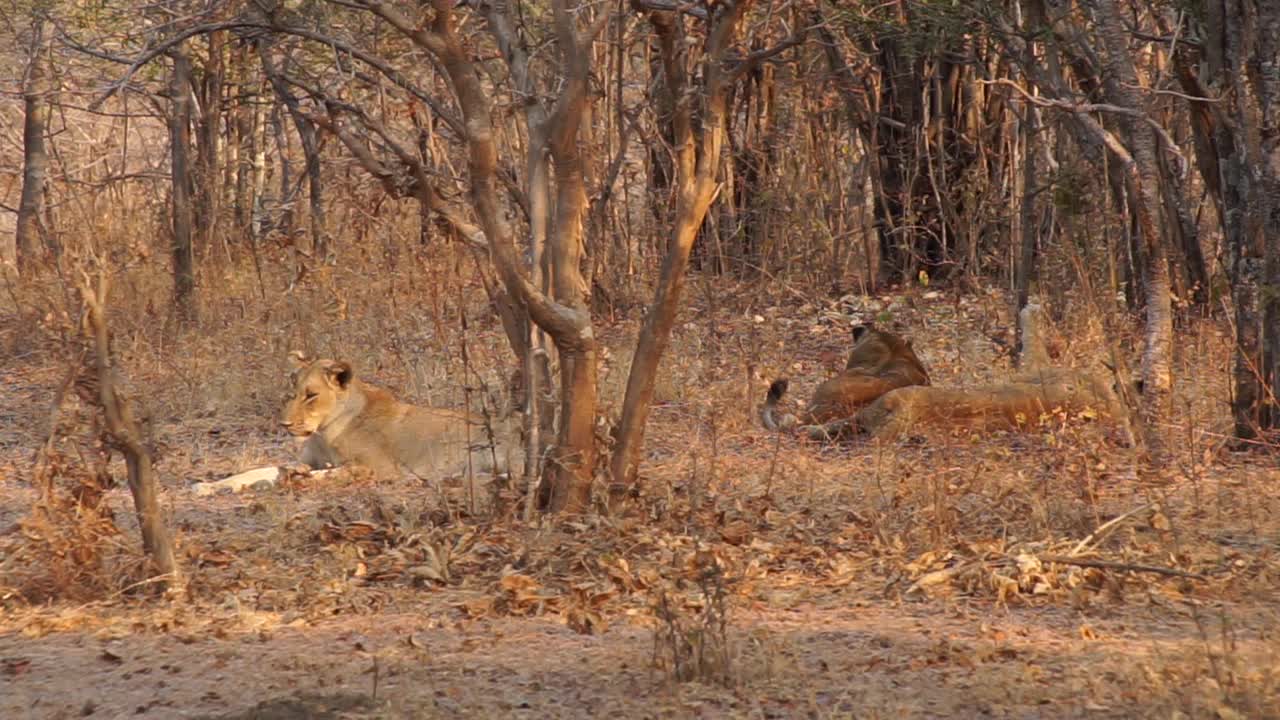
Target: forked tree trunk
184, 278
698, 157
532, 350
123, 428
565, 317
35, 161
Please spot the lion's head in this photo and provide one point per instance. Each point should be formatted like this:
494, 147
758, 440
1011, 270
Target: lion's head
880, 352
319, 388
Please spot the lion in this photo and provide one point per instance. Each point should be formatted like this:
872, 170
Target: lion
347, 421
1031, 395
984, 408
880, 361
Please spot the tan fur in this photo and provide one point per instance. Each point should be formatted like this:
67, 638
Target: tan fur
877, 352
1016, 405
1031, 395
348, 421
880, 361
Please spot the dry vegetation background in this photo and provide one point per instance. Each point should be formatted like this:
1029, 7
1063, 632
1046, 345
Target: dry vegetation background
752, 575
784, 578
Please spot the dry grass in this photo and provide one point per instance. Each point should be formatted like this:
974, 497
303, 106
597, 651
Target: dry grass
933, 578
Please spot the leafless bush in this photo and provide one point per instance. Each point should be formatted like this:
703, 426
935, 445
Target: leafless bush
68, 546
691, 640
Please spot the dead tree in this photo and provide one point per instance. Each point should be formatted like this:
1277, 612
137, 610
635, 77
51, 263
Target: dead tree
123, 429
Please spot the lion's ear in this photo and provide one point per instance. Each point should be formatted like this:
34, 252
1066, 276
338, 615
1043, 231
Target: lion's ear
299, 359
859, 331
340, 373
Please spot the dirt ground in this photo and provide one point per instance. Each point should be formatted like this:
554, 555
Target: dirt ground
756, 576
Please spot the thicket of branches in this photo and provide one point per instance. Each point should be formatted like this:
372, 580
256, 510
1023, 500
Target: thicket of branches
590, 155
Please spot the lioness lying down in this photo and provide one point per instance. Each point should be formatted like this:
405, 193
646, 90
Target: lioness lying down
1015, 405
1018, 404
346, 421
879, 362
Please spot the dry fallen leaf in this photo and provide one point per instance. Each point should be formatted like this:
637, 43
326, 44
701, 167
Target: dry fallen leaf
1159, 521
736, 532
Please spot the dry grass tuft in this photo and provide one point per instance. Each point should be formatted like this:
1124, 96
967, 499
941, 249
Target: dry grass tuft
68, 546
691, 636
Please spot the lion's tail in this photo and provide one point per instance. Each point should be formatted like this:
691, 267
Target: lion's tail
776, 390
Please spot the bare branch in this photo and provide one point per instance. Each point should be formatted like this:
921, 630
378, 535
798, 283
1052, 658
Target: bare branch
751, 61
670, 6
1085, 108
1175, 93
153, 53
421, 36
1112, 565
381, 66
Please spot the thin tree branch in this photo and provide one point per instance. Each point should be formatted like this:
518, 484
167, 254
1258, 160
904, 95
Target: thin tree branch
749, 62
151, 54
1112, 565
1086, 108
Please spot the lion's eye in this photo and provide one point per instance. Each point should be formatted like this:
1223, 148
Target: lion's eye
310, 396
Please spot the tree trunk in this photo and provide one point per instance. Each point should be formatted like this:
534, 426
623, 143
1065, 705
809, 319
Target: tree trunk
899, 97
282, 220
1157, 367
35, 163
247, 113
1027, 224
1265, 75
207, 178
698, 158
859, 116
257, 170
576, 452
1194, 277
184, 278
1247, 143
566, 317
